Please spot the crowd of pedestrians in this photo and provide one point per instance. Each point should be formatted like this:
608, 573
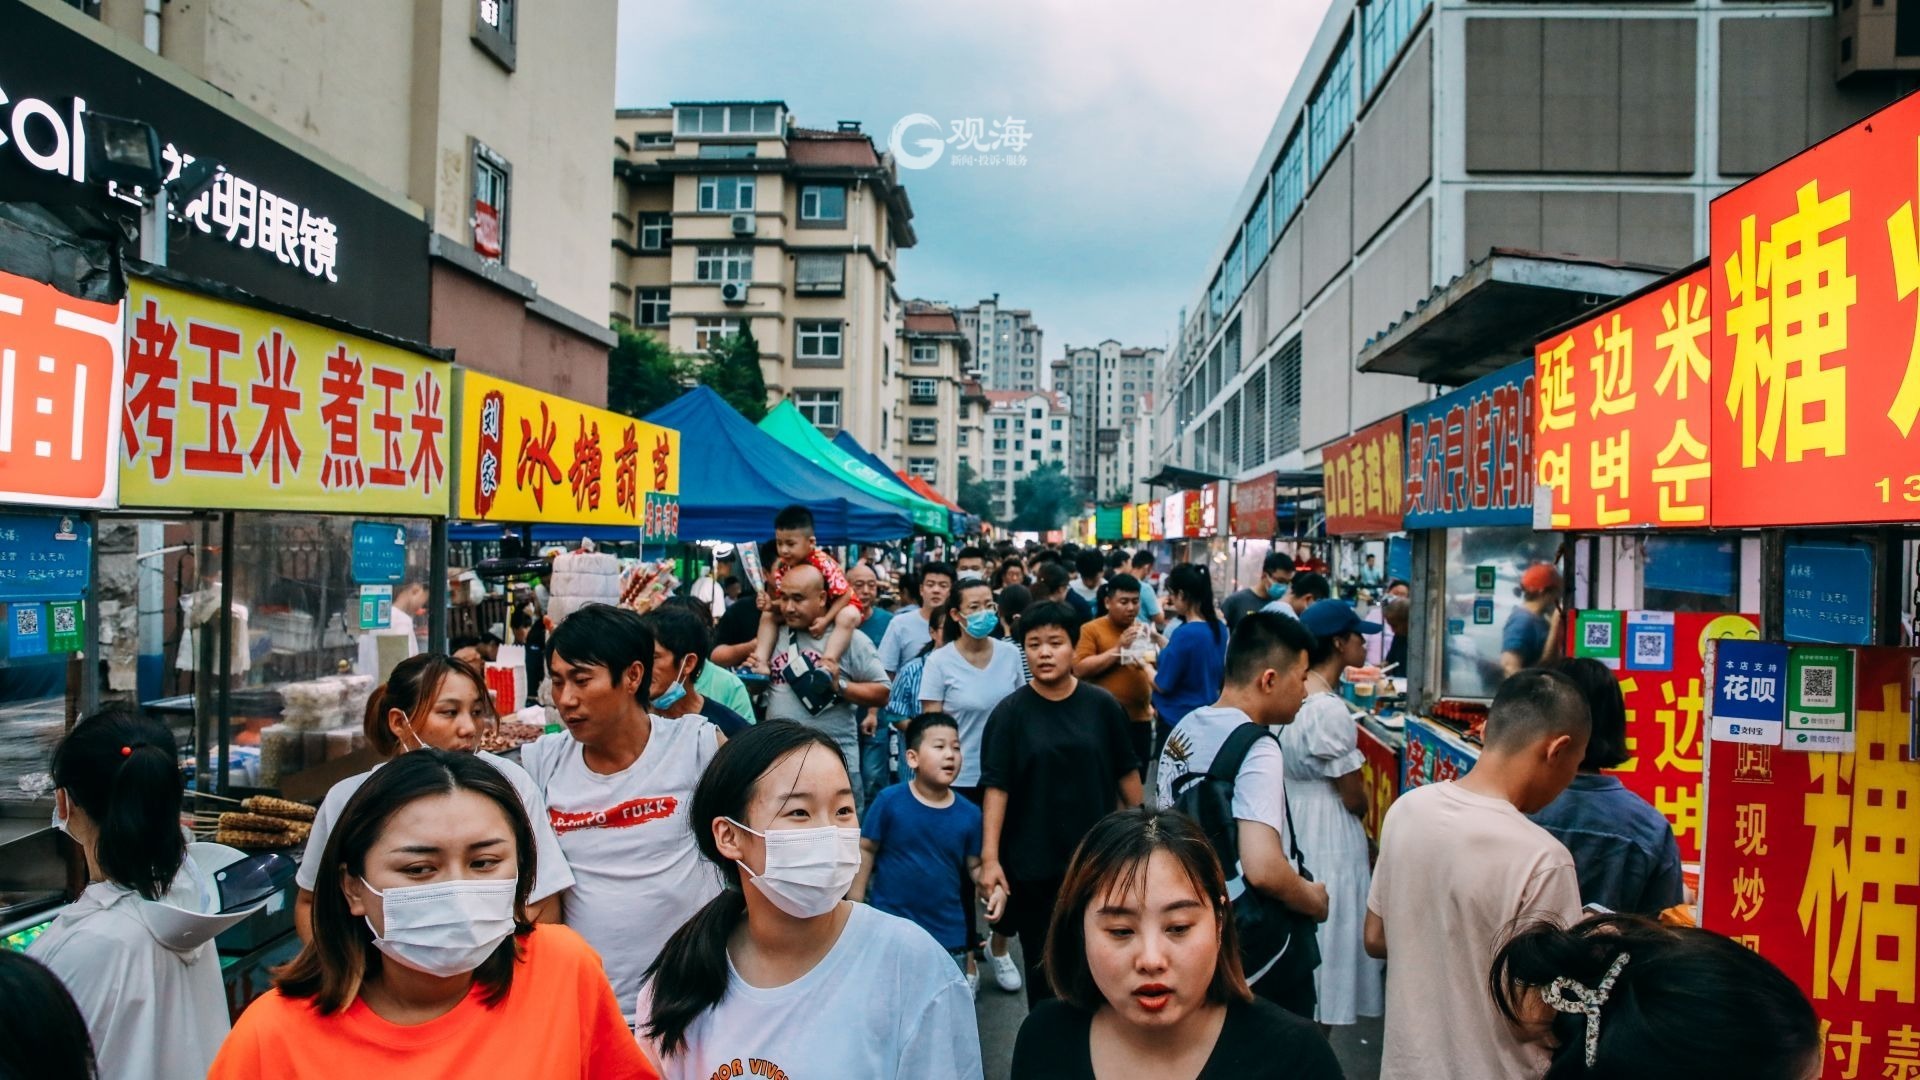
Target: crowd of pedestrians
678, 884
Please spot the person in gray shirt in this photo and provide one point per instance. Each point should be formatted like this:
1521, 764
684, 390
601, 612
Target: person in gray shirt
863, 684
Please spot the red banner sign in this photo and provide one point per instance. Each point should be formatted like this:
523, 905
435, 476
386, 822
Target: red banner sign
1812, 862
1363, 475
1623, 413
59, 396
1380, 776
1816, 332
1253, 504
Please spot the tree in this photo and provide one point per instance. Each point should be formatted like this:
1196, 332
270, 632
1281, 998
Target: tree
1046, 498
644, 374
975, 494
732, 370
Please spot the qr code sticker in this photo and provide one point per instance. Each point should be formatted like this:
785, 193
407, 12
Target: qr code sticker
65, 620
1599, 635
1649, 648
26, 620
1817, 687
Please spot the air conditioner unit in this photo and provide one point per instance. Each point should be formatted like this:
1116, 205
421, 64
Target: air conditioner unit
743, 224
734, 292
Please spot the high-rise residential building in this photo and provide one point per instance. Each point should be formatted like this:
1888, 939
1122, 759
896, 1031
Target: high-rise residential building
482, 115
729, 216
1107, 386
933, 368
1006, 345
1402, 225
1025, 430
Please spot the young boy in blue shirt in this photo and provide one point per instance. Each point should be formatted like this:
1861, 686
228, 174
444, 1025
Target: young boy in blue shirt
920, 844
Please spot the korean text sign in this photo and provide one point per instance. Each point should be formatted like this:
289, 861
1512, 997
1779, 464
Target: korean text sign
1624, 412
1363, 475
1816, 338
537, 457
1470, 454
60, 370
1811, 862
228, 407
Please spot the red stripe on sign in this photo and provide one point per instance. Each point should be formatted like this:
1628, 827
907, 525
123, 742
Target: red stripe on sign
626, 815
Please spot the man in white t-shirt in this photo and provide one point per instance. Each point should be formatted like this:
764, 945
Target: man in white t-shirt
1266, 683
618, 786
1460, 868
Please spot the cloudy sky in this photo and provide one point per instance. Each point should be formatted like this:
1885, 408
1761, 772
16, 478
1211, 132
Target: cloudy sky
1144, 119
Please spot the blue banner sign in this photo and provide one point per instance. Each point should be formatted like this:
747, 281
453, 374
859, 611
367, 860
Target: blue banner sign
44, 557
1829, 593
379, 553
1749, 700
1470, 454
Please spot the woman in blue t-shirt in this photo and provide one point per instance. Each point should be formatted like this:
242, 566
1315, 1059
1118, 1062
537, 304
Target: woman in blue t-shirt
1194, 662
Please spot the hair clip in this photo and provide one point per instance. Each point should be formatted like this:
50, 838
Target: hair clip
126, 751
1569, 995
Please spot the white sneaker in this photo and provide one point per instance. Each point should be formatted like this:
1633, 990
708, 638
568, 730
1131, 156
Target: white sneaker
1005, 972
973, 983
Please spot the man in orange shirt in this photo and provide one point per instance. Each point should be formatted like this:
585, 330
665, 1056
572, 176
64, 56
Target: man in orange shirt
1112, 656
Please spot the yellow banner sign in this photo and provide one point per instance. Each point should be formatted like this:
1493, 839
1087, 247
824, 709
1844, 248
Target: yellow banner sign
231, 408
528, 456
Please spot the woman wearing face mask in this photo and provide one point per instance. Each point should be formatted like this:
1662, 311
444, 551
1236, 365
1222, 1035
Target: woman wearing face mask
434, 700
1142, 953
779, 968
423, 960
134, 950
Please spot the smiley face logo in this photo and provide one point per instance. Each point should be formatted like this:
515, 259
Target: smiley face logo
1737, 627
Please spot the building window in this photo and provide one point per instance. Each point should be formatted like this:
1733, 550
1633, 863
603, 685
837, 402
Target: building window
921, 429
925, 468
925, 352
1330, 110
823, 202
999, 465
652, 306
1019, 464
923, 391
708, 332
1289, 182
725, 194
1000, 444
656, 231
1037, 413
726, 151
1056, 445
1258, 239
723, 262
494, 29
1057, 425
819, 275
492, 197
999, 423
820, 407
727, 119
1384, 27
1283, 390
963, 436
652, 139
1019, 445
818, 342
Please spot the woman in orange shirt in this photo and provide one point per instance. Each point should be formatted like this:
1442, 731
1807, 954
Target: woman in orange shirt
423, 958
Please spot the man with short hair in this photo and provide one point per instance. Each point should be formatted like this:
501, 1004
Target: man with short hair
1092, 568
971, 562
1051, 585
1305, 591
1370, 573
680, 645
1265, 684
714, 682
1276, 571
1469, 842
617, 784
1109, 657
1141, 566
861, 683
1532, 633
907, 632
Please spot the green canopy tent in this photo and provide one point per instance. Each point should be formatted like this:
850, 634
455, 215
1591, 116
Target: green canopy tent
785, 424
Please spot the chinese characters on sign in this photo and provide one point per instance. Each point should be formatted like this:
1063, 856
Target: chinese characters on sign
228, 407
1749, 692
250, 217
1433, 756
1470, 454
1623, 413
1363, 477
60, 372
1816, 339
1829, 592
537, 457
1253, 505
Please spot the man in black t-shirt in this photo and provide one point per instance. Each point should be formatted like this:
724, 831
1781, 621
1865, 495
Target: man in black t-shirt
1275, 573
1055, 758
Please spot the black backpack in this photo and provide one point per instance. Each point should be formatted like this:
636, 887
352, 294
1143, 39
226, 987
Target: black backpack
1276, 942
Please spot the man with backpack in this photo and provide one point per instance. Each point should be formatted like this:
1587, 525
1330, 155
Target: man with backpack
1222, 767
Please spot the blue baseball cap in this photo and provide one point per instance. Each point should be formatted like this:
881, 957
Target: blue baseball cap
1325, 618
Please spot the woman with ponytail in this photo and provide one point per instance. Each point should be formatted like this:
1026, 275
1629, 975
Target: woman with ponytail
1626, 998
134, 950
439, 701
1194, 664
780, 968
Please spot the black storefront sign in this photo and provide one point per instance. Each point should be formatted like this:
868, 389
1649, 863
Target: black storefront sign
274, 222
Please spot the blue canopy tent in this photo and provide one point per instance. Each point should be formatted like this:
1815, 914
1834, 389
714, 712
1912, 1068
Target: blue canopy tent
852, 446
734, 478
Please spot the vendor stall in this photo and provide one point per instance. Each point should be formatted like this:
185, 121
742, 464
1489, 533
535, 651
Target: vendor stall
798, 434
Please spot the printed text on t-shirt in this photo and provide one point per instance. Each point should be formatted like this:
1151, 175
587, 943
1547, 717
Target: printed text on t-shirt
627, 814
752, 1067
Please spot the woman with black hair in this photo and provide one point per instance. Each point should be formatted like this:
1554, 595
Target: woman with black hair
424, 961
1625, 998
1194, 663
42, 1034
136, 949
1623, 849
780, 967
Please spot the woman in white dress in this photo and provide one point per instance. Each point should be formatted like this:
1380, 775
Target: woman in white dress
1327, 798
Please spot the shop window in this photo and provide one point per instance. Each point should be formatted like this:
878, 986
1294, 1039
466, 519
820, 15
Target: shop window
492, 196
1470, 656
1690, 573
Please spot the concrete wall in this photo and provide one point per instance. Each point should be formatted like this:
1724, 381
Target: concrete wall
1653, 228
507, 340
1393, 148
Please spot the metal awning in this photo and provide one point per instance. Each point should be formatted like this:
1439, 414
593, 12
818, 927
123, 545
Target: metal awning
1493, 314
1182, 479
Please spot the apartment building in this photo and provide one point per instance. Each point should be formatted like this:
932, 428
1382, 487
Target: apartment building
937, 392
729, 216
1107, 386
1441, 141
481, 111
1026, 429
1007, 345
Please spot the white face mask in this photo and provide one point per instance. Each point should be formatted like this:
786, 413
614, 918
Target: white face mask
59, 819
444, 928
808, 870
